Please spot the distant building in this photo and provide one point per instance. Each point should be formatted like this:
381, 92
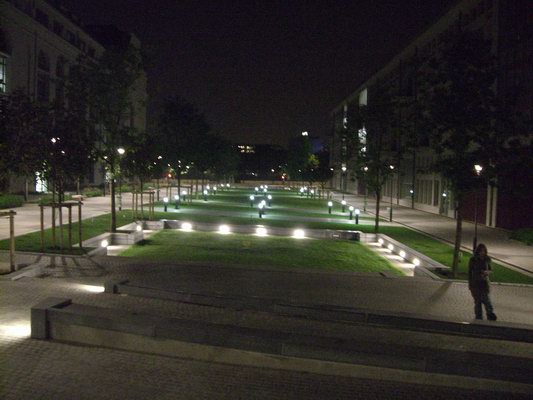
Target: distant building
39, 41
509, 25
261, 161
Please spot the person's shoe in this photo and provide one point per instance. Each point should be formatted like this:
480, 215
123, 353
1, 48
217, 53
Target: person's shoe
492, 317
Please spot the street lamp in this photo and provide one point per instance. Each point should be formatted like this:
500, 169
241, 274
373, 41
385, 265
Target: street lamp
205, 194
477, 169
365, 169
343, 203
252, 198
177, 200
260, 206
391, 187
343, 181
269, 197
330, 205
357, 212
351, 212
120, 152
165, 202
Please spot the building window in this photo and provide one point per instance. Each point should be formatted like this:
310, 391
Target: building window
43, 87
60, 67
41, 17
3, 73
42, 62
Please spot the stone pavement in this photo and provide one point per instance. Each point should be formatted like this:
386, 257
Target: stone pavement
32, 369
497, 240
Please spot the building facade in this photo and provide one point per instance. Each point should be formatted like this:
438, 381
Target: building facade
508, 24
39, 41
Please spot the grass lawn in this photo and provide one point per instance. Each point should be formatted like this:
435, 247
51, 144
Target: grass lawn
91, 227
523, 235
327, 255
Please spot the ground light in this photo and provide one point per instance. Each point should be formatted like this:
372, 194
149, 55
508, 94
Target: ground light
21, 330
104, 243
177, 201
269, 197
138, 228
298, 234
390, 247
380, 241
252, 198
402, 254
93, 288
351, 212
416, 262
165, 201
224, 229
186, 226
330, 205
343, 203
261, 231
357, 212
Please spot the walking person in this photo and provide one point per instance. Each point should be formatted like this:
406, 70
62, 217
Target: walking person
478, 282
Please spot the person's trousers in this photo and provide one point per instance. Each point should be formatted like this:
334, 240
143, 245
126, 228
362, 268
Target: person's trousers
482, 299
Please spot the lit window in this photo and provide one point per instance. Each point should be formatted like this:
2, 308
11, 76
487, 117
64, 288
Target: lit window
3, 73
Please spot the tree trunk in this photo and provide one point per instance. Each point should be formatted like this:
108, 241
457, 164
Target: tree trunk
458, 237
113, 205
26, 194
78, 186
378, 202
179, 180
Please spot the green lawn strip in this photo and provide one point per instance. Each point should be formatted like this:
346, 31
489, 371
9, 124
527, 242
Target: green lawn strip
90, 227
524, 235
443, 253
327, 255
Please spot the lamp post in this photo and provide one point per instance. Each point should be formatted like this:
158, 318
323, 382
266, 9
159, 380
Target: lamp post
165, 202
260, 207
269, 197
205, 194
391, 185
477, 169
365, 169
330, 205
215, 190
351, 212
301, 191
120, 152
177, 200
343, 181
252, 198
357, 212
343, 203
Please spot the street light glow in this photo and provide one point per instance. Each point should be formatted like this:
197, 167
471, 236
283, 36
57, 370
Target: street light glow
186, 226
305, 133
478, 168
165, 199
330, 204
121, 151
343, 168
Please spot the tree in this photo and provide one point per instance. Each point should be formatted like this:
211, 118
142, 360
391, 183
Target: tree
111, 82
298, 156
458, 94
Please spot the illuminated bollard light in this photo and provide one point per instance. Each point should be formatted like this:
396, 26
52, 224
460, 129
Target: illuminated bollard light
260, 207
177, 201
301, 191
252, 198
351, 212
269, 197
205, 195
330, 205
165, 202
343, 203
357, 212
215, 190
256, 189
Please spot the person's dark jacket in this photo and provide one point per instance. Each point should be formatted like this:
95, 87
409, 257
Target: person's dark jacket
477, 281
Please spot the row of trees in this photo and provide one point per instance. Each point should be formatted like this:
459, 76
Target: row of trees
454, 110
62, 140
304, 165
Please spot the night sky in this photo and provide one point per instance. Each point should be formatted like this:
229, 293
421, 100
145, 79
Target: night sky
262, 71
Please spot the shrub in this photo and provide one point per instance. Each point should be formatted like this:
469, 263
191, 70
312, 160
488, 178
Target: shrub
10, 200
524, 235
92, 192
47, 198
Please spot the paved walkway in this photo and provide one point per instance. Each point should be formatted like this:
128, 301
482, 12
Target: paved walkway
50, 370
497, 240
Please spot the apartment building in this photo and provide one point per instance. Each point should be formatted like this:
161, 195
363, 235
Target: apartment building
509, 26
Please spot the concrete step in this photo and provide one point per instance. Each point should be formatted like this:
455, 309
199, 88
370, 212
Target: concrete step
59, 319
325, 312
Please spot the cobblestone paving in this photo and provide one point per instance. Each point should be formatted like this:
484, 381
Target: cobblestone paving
31, 369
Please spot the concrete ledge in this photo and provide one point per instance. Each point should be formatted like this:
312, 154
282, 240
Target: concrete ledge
58, 319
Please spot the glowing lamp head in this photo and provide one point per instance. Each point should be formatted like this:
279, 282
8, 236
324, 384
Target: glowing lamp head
357, 211
176, 197
252, 197
265, 190
416, 262
165, 199
138, 228
269, 197
227, 184
381, 241
390, 247
205, 192
343, 202
343, 168
256, 189
351, 208
478, 168
261, 206
301, 190
121, 151
104, 243
215, 188
330, 204
402, 254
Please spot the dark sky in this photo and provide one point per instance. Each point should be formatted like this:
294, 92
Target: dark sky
262, 71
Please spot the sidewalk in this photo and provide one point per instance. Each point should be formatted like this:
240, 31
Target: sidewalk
497, 240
